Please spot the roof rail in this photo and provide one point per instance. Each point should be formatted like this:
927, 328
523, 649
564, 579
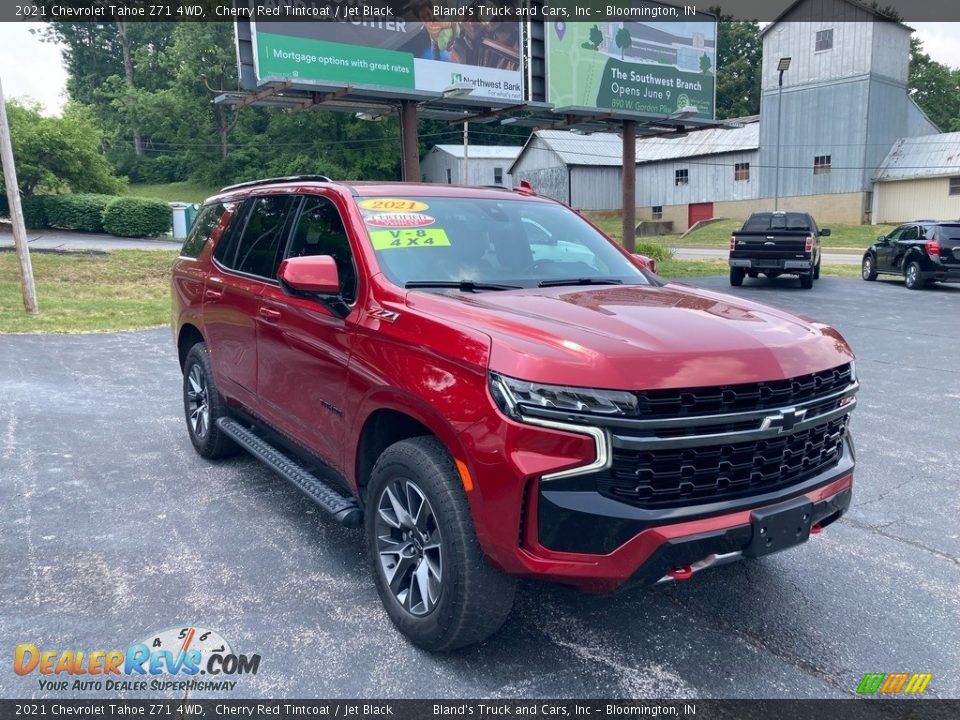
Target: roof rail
496, 187
271, 181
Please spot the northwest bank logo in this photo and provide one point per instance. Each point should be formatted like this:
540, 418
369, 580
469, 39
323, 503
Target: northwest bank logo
185, 652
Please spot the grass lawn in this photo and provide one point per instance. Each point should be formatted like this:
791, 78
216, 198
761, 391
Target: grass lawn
186, 191
680, 269
717, 234
81, 293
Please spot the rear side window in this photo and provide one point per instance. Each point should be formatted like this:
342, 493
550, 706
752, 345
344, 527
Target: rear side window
203, 226
258, 252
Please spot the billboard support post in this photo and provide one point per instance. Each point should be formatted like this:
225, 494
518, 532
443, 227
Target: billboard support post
409, 141
629, 185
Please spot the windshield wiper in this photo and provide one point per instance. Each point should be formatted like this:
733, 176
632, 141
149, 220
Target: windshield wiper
461, 285
580, 281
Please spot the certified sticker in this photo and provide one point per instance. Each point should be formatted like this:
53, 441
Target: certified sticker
399, 220
393, 205
408, 238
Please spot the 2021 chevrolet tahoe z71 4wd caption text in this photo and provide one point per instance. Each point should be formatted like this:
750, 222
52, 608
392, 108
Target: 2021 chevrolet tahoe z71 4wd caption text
494, 390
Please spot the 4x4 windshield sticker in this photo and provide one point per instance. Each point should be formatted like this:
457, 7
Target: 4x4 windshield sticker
395, 219
393, 205
408, 238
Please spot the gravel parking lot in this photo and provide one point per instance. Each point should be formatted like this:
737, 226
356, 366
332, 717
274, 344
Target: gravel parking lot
114, 530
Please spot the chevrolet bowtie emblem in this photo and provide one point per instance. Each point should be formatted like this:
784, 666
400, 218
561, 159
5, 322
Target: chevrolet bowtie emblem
784, 421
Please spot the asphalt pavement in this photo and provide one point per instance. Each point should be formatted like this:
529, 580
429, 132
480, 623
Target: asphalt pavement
114, 529
73, 241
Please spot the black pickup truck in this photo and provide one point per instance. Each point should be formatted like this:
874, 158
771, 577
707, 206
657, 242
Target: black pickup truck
777, 243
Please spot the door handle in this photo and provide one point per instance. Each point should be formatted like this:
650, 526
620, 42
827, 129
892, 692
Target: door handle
269, 315
212, 295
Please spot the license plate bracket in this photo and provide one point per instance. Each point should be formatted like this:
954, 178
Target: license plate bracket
780, 527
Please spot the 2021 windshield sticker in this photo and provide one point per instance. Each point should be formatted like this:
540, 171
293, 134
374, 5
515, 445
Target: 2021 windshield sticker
393, 205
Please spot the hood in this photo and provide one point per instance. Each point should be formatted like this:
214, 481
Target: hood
638, 337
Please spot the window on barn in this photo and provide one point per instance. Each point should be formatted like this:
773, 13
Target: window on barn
741, 171
449, 177
954, 186
657, 213
681, 177
824, 40
498, 176
821, 164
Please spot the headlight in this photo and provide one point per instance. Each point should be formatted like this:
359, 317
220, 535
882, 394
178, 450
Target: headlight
513, 395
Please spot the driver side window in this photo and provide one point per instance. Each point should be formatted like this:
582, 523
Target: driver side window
320, 231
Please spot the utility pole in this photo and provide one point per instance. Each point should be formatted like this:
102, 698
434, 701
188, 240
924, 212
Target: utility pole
782, 67
466, 150
409, 142
16, 211
628, 184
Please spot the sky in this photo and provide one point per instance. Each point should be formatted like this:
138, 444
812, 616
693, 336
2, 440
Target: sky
33, 69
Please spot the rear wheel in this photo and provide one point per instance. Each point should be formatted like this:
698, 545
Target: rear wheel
868, 270
203, 406
806, 281
736, 276
912, 276
430, 572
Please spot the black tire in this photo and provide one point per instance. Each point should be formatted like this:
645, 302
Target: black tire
868, 269
736, 276
208, 439
472, 599
913, 276
806, 281
816, 271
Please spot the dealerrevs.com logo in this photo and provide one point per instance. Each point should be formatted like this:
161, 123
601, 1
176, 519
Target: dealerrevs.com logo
170, 660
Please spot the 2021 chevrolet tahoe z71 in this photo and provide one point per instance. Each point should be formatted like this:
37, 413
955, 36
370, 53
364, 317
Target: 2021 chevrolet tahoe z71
494, 390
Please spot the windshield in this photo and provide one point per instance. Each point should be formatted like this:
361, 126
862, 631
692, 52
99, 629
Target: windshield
761, 222
490, 242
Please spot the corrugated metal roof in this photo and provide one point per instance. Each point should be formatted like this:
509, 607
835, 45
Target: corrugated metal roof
605, 148
924, 156
481, 152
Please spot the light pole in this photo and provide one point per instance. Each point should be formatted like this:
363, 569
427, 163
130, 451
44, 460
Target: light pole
782, 67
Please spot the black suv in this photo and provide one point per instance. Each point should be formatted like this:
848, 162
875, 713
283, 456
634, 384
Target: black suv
923, 252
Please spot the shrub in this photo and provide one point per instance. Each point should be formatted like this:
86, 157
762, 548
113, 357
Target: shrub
157, 170
137, 217
82, 211
654, 250
35, 211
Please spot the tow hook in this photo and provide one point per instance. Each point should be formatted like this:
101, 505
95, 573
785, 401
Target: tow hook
816, 529
684, 572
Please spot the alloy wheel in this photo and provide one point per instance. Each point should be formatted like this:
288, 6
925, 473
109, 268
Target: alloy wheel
198, 408
409, 546
867, 267
913, 275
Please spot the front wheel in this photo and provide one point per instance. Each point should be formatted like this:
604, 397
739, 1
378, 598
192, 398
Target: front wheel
868, 271
430, 572
806, 281
912, 276
736, 276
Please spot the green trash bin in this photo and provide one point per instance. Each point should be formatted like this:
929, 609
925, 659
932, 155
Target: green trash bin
191, 215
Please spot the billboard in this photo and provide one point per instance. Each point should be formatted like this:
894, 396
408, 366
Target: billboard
393, 55
655, 67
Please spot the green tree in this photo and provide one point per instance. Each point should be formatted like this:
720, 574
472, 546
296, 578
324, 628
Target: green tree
935, 88
739, 61
56, 154
705, 64
623, 40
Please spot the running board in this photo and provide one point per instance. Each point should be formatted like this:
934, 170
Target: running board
344, 509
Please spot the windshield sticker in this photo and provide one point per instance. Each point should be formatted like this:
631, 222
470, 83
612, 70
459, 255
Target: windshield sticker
396, 219
393, 205
408, 238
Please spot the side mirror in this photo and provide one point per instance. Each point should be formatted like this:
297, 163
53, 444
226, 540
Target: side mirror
645, 263
882, 240
825, 232
310, 274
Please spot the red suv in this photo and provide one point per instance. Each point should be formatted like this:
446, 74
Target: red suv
494, 389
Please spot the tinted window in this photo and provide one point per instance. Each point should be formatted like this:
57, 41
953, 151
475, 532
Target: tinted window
259, 249
910, 233
225, 252
203, 225
320, 231
760, 222
949, 232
